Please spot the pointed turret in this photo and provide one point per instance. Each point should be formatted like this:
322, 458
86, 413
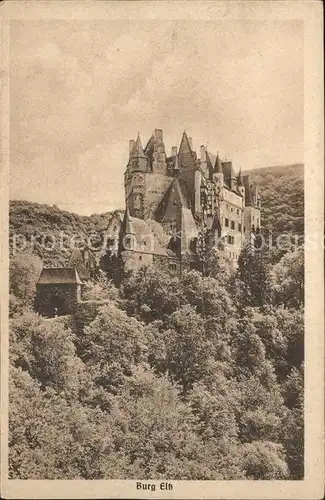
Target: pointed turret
137, 150
217, 165
188, 169
185, 146
240, 181
240, 185
127, 225
210, 168
176, 166
138, 161
217, 176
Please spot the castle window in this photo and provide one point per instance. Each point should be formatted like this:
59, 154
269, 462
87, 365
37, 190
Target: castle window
127, 242
137, 202
239, 227
231, 210
172, 226
237, 211
172, 267
232, 224
140, 257
226, 222
230, 240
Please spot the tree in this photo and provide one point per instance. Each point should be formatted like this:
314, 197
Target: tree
264, 460
101, 289
44, 423
287, 280
252, 278
24, 271
46, 350
156, 432
151, 295
190, 351
207, 296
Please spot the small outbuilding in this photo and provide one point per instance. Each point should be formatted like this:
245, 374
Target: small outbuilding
58, 291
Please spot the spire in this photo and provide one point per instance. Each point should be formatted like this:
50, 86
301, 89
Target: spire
127, 225
176, 166
185, 146
240, 181
137, 151
217, 165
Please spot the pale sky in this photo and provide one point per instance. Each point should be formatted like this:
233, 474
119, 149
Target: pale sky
80, 90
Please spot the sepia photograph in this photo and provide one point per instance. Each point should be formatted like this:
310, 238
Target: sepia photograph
157, 250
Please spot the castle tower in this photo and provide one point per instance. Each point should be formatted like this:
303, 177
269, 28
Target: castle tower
240, 184
217, 176
159, 164
138, 162
229, 175
252, 212
146, 177
189, 172
134, 176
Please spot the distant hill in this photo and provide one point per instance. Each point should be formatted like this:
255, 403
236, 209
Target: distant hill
49, 226
282, 189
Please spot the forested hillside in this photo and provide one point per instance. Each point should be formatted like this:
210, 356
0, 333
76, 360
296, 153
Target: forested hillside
175, 378
282, 190
160, 376
46, 226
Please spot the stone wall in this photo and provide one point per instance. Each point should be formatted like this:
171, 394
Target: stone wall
133, 261
156, 186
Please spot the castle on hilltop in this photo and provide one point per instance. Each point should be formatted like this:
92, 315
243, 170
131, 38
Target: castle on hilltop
180, 207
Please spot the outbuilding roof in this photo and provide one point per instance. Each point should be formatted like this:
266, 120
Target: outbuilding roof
59, 275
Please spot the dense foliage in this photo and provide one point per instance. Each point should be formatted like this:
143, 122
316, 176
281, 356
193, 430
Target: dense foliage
169, 377
51, 233
192, 377
282, 190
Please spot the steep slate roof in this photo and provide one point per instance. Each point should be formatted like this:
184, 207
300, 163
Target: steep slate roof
149, 149
248, 191
143, 232
137, 150
210, 158
59, 275
228, 172
176, 195
185, 146
240, 181
217, 165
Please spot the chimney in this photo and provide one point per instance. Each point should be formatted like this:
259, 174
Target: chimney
131, 146
174, 151
159, 134
191, 143
203, 150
